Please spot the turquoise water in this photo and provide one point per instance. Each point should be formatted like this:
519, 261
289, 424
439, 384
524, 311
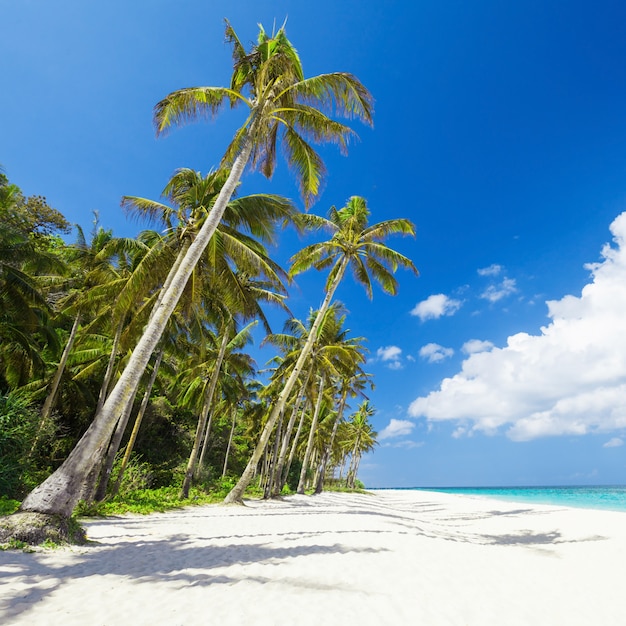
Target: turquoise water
611, 498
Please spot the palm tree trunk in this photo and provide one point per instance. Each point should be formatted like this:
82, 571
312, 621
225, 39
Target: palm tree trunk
230, 440
278, 477
309, 446
110, 366
205, 443
236, 494
112, 451
294, 446
272, 468
60, 492
329, 448
46, 410
202, 422
133, 435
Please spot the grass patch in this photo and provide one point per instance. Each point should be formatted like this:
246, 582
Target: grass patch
8, 506
145, 501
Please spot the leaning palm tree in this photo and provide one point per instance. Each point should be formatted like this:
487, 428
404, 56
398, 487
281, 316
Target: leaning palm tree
353, 244
282, 105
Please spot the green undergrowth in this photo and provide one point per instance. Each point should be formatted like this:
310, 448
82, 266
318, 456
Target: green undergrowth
8, 506
145, 501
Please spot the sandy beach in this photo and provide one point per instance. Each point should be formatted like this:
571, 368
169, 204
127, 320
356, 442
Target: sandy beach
389, 557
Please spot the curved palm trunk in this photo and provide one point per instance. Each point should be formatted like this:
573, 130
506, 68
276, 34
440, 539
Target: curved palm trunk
60, 492
236, 494
46, 410
309, 445
202, 422
133, 435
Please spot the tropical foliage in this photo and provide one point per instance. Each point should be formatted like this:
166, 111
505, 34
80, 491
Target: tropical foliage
125, 362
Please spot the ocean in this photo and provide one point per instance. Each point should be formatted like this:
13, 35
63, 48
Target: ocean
612, 497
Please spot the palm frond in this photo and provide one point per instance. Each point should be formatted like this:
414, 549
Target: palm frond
305, 162
339, 92
190, 104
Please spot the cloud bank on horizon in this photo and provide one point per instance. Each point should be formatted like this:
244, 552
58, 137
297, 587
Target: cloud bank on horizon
568, 380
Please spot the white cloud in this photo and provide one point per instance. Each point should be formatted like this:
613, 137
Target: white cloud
569, 379
390, 356
476, 345
492, 270
434, 353
505, 288
616, 442
436, 306
396, 428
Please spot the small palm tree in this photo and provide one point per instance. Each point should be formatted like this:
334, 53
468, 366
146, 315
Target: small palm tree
360, 437
353, 244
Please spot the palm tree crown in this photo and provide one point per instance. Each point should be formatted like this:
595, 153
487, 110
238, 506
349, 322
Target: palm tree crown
283, 107
354, 243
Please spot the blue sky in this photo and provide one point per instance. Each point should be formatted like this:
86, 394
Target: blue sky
500, 130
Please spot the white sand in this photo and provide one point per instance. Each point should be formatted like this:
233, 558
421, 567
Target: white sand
395, 557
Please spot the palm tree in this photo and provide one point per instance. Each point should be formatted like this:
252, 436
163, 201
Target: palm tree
353, 244
282, 104
353, 384
360, 438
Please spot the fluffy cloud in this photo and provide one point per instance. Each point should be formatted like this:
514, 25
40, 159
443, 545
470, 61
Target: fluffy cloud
476, 345
396, 428
616, 442
390, 356
496, 292
569, 379
435, 307
434, 353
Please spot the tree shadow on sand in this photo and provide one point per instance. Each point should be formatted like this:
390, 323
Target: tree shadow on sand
165, 560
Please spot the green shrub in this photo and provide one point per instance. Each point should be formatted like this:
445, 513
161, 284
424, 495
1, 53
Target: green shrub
19, 469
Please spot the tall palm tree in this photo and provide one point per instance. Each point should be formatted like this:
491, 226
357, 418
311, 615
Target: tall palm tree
282, 104
353, 244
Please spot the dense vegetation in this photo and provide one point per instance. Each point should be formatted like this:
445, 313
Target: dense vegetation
123, 362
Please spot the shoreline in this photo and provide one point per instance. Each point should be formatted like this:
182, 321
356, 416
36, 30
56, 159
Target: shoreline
384, 557
562, 495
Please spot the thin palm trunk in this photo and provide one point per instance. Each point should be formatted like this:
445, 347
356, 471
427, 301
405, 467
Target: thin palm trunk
202, 422
108, 374
230, 440
112, 451
60, 492
278, 476
205, 443
48, 405
309, 446
354, 468
328, 451
272, 467
236, 493
133, 435
294, 446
